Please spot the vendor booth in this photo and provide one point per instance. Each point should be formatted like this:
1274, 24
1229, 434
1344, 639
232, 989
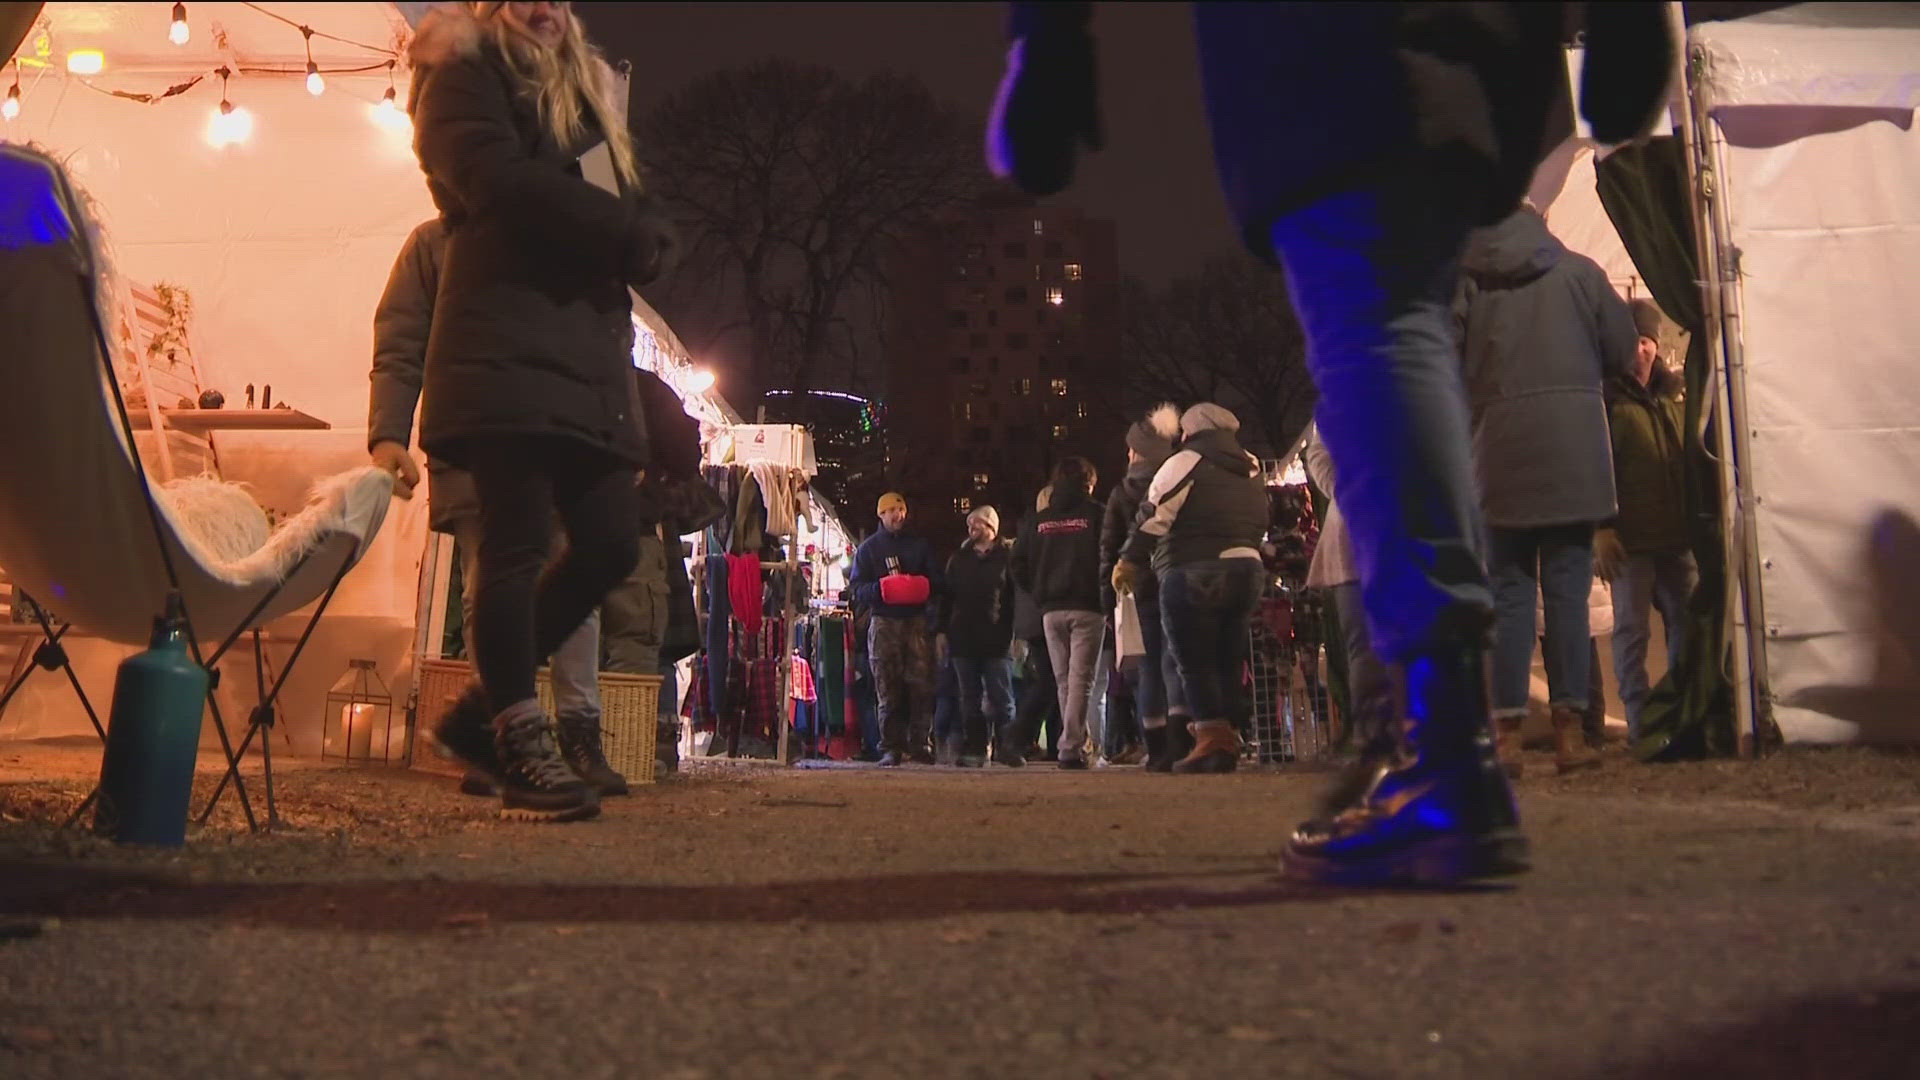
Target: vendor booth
250, 223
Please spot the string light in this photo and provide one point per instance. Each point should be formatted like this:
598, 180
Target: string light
228, 124
86, 61
315, 84
11, 107
178, 33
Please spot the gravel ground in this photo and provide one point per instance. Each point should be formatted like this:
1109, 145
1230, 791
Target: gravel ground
1718, 918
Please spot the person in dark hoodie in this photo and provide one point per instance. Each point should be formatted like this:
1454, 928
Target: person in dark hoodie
1057, 559
1541, 329
1643, 551
976, 623
1200, 527
896, 578
1159, 698
401, 324
527, 382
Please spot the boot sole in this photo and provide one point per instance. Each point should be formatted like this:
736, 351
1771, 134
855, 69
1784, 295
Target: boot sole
552, 815
1440, 861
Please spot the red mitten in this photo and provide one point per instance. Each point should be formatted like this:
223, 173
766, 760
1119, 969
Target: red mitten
905, 590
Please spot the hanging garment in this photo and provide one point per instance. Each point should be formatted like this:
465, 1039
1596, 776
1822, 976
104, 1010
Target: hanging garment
776, 492
719, 620
803, 686
745, 590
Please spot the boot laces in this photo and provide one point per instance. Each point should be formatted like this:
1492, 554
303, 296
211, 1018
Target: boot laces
536, 756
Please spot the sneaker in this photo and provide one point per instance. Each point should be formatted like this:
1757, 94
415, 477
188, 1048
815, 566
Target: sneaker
536, 783
581, 745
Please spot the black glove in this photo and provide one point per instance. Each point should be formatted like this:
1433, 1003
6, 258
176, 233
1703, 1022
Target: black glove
1048, 99
1623, 84
654, 245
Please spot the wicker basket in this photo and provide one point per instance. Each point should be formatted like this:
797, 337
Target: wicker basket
629, 705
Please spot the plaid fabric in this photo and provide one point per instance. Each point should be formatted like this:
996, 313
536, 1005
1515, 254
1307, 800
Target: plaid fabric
803, 688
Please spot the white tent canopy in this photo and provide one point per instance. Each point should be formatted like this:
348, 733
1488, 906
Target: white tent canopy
1816, 215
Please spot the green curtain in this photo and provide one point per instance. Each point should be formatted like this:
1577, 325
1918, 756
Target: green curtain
1644, 190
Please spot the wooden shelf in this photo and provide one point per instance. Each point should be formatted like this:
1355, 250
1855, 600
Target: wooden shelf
200, 421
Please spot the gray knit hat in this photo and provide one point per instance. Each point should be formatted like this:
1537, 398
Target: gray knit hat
1647, 319
1207, 416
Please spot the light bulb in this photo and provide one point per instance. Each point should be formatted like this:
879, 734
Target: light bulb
86, 61
699, 381
10, 108
387, 101
315, 84
178, 32
228, 125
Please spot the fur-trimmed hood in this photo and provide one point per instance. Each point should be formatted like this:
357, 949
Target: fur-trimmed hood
448, 32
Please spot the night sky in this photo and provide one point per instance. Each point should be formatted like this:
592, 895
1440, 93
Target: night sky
1155, 178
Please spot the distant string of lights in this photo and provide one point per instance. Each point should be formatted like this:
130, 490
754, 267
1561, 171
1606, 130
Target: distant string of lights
230, 123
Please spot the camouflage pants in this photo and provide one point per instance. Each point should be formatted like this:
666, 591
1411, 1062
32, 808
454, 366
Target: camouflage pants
900, 652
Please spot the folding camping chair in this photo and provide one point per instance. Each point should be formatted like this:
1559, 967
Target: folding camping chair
82, 528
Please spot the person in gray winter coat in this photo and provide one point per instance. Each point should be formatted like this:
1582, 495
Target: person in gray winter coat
401, 324
1541, 331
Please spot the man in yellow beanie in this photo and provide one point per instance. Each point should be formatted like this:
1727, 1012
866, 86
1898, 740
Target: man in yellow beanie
894, 578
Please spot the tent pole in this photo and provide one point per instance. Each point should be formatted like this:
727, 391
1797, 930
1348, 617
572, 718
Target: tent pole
1729, 401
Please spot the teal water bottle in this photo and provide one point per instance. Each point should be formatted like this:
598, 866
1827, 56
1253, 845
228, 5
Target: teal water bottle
153, 737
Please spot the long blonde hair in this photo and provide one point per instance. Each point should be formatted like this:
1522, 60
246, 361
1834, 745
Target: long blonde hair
563, 76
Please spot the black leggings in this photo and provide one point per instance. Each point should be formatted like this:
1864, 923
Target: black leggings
520, 616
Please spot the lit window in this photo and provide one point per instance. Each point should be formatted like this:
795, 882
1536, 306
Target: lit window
1022, 387
1080, 411
1056, 296
1039, 272
1059, 388
980, 480
963, 410
1073, 271
1059, 431
963, 505
1039, 227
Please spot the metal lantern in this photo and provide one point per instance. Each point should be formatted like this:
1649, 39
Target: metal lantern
359, 720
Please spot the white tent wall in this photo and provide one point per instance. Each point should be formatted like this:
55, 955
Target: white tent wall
1817, 163
284, 242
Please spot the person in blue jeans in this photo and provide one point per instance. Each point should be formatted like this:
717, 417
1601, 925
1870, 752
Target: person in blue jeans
1159, 700
1429, 120
1643, 552
1200, 526
1541, 330
975, 632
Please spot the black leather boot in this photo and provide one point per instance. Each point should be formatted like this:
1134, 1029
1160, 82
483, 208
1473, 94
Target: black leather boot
1177, 744
465, 734
1443, 813
581, 745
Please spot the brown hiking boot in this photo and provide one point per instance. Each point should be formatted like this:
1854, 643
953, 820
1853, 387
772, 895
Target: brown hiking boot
1570, 749
1506, 743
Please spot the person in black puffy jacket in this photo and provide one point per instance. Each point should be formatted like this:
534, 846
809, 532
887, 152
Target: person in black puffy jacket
1154, 677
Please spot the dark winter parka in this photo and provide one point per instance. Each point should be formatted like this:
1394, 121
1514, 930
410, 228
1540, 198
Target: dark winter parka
977, 615
1647, 424
532, 330
1541, 330
1123, 506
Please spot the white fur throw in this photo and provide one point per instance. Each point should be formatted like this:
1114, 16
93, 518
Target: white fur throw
218, 519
